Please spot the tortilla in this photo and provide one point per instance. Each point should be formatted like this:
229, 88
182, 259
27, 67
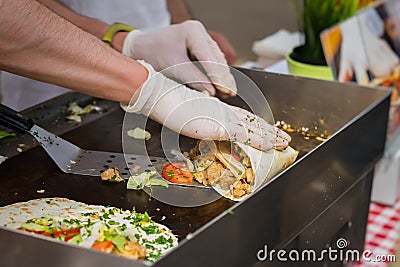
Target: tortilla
236, 179
138, 228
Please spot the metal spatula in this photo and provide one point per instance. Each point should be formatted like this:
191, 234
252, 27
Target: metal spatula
72, 159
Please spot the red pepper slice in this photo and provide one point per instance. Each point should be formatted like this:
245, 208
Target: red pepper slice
69, 233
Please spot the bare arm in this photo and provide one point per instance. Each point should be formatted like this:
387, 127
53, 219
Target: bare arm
88, 24
179, 11
36, 43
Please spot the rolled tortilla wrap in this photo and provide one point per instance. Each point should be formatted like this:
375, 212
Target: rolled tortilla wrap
265, 165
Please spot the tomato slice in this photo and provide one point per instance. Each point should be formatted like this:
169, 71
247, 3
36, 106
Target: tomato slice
70, 233
177, 172
67, 232
103, 246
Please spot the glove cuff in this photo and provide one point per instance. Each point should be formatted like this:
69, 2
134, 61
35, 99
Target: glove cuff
139, 99
128, 43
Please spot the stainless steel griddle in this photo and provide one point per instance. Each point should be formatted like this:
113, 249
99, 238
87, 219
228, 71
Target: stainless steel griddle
322, 197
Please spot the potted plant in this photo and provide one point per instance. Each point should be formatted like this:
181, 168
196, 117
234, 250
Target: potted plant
314, 16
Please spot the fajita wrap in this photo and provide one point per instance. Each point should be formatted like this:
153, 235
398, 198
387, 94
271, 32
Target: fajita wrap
236, 170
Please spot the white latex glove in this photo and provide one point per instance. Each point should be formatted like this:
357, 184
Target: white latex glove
170, 46
363, 50
200, 116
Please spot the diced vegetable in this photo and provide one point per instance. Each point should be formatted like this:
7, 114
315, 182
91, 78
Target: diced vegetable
177, 173
139, 133
119, 242
103, 246
76, 240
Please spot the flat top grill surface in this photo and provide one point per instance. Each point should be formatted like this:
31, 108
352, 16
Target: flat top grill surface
24, 174
34, 170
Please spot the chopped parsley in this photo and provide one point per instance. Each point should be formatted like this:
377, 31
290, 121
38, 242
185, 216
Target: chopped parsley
151, 229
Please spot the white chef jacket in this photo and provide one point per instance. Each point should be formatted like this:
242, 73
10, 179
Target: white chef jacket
20, 92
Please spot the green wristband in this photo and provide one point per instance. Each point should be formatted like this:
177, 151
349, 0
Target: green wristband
108, 37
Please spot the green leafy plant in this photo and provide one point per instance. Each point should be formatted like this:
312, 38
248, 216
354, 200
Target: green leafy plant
314, 16
4, 134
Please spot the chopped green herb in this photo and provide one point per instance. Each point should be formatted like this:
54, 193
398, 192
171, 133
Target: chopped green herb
151, 229
161, 240
123, 227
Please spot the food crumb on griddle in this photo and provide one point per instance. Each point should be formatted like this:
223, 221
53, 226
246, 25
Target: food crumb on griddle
75, 112
314, 132
111, 175
139, 133
41, 191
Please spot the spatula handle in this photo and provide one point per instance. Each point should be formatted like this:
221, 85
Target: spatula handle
14, 120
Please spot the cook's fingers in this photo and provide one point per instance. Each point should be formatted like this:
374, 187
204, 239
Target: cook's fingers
212, 59
256, 137
221, 77
190, 75
283, 135
243, 135
253, 121
281, 143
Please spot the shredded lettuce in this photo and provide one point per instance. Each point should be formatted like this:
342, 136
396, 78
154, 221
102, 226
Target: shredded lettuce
32, 226
139, 181
76, 240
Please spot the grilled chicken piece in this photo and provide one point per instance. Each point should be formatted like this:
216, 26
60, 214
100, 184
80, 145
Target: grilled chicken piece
111, 175
133, 250
249, 174
214, 172
240, 189
200, 177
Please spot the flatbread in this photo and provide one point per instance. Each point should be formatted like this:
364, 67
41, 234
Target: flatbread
136, 225
265, 166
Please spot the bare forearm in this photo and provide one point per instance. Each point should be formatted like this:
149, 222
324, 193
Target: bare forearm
38, 44
179, 11
91, 25
88, 24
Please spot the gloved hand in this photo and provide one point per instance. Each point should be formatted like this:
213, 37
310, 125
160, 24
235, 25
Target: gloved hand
225, 46
169, 46
200, 116
363, 50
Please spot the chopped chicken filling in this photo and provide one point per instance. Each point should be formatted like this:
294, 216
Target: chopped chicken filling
218, 174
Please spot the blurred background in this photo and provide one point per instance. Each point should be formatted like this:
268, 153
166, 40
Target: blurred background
244, 23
